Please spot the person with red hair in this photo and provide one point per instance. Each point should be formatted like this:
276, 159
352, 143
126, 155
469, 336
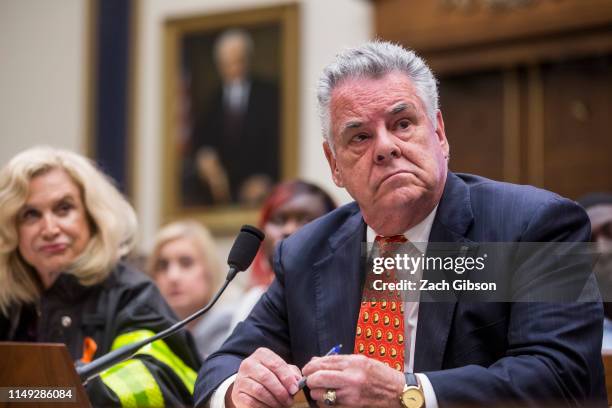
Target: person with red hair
289, 206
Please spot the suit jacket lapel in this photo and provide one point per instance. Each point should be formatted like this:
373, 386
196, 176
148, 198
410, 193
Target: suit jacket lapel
338, 277
453, 218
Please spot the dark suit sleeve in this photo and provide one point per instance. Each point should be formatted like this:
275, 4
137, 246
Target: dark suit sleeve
266, 326
553, 355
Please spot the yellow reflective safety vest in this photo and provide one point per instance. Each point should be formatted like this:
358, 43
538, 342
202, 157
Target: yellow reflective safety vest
125, 308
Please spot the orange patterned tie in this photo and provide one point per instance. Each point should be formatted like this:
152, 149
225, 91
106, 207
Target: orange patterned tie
380, 327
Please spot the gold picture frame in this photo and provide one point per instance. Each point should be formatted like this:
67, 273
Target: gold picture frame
195, 88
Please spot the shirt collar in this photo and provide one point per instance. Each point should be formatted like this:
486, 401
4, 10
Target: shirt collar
418, 233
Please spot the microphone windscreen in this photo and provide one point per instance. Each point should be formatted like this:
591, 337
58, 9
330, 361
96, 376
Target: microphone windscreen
245, 247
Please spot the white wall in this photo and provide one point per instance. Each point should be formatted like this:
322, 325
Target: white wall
42, 69
326, 27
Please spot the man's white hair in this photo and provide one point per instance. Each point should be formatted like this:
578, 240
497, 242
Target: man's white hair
375, 59
231, 35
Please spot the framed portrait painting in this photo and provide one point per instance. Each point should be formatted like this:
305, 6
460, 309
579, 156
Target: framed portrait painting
230, 113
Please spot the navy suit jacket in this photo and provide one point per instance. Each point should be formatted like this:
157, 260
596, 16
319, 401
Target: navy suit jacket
473, 353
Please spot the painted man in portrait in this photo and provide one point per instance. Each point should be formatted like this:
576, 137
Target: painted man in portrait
236, 141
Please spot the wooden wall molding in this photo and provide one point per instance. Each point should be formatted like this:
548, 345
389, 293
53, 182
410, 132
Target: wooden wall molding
475, 34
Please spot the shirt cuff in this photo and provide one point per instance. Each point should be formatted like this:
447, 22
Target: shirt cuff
218, 398
428, 392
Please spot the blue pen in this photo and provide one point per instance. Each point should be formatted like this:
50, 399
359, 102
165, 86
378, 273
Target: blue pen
332, 352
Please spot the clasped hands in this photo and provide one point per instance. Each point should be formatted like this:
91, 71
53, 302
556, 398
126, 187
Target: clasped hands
266, 380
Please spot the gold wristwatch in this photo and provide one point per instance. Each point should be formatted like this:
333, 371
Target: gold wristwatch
412, 396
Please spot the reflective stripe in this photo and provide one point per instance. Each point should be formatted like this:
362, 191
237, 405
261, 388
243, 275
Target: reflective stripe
160, 351
133, 384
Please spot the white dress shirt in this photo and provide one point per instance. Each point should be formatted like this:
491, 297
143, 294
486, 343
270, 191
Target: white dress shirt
236, 95
419, 236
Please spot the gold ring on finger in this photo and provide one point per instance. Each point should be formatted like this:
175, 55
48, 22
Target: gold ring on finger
330, 397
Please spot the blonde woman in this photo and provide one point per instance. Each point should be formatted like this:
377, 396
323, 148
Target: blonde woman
185, 266
64, 228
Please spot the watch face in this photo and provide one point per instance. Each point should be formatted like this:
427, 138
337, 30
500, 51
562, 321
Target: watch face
413, 398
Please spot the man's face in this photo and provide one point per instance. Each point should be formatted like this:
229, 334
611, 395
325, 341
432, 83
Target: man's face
232, 60
388, 154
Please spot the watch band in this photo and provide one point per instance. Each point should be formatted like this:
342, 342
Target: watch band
411, 380
412, 396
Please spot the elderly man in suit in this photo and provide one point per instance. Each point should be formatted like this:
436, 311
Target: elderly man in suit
386, 144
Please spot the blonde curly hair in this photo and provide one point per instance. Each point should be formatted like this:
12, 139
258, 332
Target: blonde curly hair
112, 218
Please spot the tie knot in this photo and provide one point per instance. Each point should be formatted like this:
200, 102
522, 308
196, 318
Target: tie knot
387, 243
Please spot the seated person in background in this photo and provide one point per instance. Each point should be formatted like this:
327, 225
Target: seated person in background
185, 266
64, 228
599, 209
289, 206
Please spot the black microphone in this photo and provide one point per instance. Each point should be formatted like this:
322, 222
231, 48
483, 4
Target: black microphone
244, 250
240, 257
